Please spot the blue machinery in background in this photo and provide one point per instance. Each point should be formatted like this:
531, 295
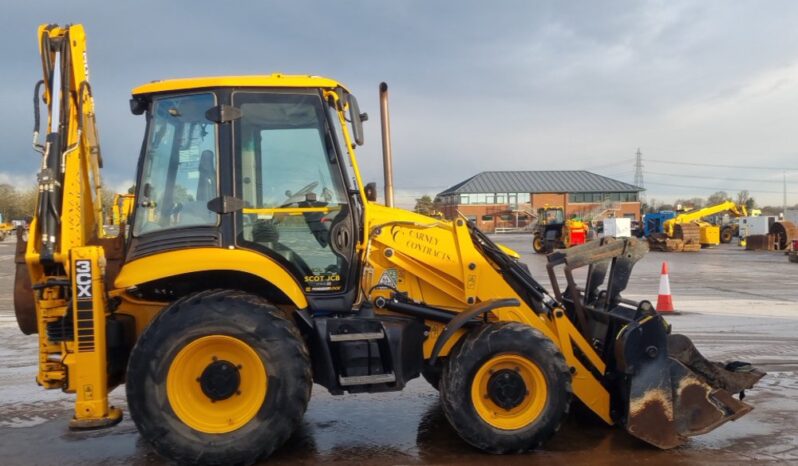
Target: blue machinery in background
653, 223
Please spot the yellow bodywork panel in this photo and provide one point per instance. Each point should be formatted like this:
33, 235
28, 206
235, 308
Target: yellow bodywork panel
710, 234
437, 263
179, 262
141, 310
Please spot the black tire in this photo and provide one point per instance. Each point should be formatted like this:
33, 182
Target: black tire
726, 235
538, 245
262, 328
483, 345
432, 374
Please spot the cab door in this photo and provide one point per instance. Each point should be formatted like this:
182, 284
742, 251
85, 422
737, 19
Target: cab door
298, 210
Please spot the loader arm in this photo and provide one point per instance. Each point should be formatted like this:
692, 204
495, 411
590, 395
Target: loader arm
662, 390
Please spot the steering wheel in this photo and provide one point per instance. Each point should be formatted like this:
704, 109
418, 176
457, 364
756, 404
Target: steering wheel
299, 196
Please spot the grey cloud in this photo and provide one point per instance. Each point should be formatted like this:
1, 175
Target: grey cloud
475, 86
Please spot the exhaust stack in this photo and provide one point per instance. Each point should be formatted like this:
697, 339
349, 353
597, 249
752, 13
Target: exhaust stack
387, 157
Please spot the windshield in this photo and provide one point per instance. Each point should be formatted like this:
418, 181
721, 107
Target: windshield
179, 169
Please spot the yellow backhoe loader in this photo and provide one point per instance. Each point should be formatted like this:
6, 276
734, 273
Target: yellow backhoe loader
258, 263
122, 208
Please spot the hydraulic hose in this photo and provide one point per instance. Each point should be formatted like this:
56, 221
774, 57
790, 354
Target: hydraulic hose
36, 110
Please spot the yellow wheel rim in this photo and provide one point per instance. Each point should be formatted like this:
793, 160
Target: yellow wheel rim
529, 407
194, 406
538, 244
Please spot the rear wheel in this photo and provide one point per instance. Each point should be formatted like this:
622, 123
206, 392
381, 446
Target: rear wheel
726, 235
219, 377
506, 389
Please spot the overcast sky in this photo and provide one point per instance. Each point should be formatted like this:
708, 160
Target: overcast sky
474, 86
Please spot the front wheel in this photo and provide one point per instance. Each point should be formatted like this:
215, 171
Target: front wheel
219, 377
538, 246
566, 240
506, 388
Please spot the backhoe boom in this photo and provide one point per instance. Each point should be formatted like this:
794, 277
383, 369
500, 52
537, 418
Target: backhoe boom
62, 267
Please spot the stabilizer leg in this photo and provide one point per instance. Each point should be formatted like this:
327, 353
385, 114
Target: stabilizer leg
88, 371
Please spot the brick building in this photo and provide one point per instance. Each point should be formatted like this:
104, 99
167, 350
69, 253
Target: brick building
511, 199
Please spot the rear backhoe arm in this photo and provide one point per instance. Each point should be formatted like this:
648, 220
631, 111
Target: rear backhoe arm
62, 267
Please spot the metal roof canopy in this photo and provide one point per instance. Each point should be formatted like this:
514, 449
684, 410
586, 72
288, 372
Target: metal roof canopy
546, 181
271, 80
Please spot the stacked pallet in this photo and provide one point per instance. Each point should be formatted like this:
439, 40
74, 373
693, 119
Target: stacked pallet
690, 235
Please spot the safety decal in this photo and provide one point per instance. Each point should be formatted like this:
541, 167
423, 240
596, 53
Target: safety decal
389, 278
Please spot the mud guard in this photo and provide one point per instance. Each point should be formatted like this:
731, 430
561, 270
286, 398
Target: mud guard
463, 318
672, 395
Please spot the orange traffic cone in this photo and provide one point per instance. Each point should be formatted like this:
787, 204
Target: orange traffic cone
665, 300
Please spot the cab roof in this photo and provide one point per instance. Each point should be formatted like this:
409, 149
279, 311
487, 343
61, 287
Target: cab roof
269, 80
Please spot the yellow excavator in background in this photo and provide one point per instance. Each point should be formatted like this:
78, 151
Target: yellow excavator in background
688, 232
6, 228
122, 208
257, 263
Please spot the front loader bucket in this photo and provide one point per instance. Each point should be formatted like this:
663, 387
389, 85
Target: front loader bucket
676, 393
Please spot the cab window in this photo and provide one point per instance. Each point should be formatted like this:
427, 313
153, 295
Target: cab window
179, 171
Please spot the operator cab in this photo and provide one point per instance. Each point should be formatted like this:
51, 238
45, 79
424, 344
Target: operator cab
551, 215
275, 152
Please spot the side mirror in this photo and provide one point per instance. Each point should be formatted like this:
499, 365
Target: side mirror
371, 192
138, 106
357, 119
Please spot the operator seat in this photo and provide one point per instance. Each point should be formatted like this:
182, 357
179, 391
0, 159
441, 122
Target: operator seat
206, 185
196, 212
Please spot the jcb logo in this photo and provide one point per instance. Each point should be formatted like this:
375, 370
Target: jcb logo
83, 279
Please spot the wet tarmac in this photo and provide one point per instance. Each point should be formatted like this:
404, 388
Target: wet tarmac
736, 305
